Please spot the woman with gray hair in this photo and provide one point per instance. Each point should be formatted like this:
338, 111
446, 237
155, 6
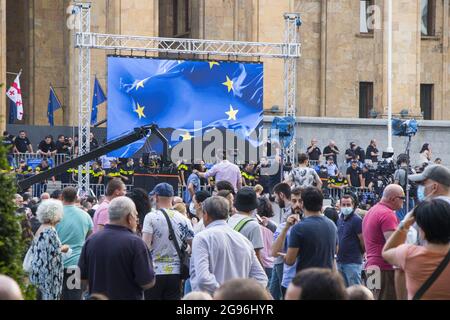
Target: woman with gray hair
46, 251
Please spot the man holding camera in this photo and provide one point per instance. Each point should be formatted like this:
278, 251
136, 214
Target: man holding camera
62, 145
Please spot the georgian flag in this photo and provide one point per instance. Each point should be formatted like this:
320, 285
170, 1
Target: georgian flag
15, 94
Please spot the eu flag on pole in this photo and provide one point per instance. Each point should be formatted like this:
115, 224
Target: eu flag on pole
53, 105
175, 94
99, 98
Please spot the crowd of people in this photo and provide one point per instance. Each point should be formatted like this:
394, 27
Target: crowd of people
226, 244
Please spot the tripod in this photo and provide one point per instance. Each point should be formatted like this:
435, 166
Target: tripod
408, 186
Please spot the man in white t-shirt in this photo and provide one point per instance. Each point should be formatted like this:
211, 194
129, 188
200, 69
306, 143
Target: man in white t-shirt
156, 235
303, 176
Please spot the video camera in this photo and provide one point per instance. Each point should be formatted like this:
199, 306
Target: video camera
406, 128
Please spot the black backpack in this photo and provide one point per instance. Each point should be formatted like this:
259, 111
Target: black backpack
413, 185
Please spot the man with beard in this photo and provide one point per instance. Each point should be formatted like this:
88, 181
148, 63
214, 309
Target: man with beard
282, 193
281, 240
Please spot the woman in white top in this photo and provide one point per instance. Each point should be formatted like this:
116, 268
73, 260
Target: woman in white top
425, 154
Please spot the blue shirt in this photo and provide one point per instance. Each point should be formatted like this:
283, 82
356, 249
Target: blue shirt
316, 239
349, 245
195, 180
289, 272
116, 263
72, 231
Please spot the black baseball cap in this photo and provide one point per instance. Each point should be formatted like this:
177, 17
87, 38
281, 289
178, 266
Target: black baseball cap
246, 200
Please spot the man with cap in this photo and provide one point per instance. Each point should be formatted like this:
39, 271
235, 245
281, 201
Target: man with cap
156, 234
244, 222
434, 183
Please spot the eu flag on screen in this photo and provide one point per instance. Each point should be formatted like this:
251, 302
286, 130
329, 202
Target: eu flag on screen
53, 105
98, 98
174, 94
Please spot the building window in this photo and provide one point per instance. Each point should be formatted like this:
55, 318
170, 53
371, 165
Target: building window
426, 101
428, 8
365, 99
181, 21
365, 21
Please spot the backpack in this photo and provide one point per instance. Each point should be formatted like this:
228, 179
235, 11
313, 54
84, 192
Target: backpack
241, 224
413, 185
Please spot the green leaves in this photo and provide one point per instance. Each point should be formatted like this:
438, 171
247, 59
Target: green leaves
12, 245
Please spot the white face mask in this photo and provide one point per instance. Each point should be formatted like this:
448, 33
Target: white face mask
346, 211
192, 209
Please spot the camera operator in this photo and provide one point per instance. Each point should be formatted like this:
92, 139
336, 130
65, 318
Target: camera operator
400, 178
368, 177
62, 145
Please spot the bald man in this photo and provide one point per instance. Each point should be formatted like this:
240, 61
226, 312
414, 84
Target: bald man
45, 196
9, 289
378, 225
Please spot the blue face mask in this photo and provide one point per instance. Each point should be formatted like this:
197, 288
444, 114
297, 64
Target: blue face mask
421, 193
346, 211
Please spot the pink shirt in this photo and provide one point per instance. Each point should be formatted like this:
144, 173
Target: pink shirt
419, 263
226, 171
266, 251
379, 219
101, 216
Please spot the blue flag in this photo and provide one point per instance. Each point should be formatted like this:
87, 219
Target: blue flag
12, 111
175, 94
53, 105
99, 98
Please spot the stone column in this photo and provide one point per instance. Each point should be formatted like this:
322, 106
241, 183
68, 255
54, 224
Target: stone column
445, 64
406, 57
3, 84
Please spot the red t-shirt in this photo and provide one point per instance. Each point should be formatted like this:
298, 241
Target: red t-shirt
379, 219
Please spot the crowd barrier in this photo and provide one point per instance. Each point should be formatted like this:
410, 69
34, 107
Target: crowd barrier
207, 188
97, 189
336, 193
34, 159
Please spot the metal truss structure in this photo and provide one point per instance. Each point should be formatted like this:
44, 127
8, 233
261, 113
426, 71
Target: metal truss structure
85, 41
84, 95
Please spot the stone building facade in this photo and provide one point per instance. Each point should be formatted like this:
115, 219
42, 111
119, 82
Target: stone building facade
342, 72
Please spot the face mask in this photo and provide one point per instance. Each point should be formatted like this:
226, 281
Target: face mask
421, 193
346, 211
192, 209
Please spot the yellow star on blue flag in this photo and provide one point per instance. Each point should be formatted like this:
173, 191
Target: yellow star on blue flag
212, 64
187, 136
229, 84
232, 114
140, 111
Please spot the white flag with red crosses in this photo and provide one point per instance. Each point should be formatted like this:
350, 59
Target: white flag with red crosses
15, 94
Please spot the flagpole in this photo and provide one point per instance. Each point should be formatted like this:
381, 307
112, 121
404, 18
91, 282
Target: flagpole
389, 66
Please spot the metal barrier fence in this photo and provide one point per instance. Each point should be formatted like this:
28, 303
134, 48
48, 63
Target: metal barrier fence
97, 189
336, 193
33, 159
183, 189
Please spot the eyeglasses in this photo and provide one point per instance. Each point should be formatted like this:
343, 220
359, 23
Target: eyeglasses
403, 198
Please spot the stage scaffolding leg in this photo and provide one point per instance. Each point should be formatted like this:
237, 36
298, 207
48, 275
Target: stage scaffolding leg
292, 38
84, 103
